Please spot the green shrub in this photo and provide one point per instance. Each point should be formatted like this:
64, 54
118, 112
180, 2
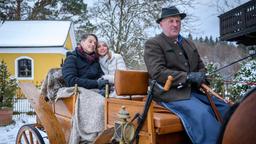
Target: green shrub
8, 87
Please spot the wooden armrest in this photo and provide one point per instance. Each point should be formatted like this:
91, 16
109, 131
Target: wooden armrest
66, 106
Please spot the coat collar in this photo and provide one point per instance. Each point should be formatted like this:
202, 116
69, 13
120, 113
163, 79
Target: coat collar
178, 40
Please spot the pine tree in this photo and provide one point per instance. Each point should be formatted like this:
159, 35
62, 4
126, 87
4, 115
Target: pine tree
196, 39
3, 15
206, 40
216, 40
8, 86
190, 36
211, 42
74, 10
201, 39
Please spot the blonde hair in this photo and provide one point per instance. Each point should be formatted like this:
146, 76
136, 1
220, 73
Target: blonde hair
105, 44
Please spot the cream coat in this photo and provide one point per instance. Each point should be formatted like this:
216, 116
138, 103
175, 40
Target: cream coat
109, 66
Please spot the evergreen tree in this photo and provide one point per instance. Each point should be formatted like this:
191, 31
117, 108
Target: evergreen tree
201, 39
75, 10
243, 80
211, 42
2, 15
206, 40
190, 36
8, 86
196, 39
216, 40
215, 79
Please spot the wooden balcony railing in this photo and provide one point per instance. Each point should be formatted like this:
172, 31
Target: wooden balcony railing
239, 24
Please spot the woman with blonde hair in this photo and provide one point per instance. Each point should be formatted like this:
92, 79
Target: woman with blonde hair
109, 61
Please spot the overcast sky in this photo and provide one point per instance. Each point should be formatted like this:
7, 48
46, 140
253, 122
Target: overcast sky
208, 21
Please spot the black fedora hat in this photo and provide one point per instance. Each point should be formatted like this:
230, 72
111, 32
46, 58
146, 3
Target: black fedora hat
170, 11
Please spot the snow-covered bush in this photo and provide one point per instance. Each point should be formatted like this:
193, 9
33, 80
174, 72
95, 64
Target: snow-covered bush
244, 79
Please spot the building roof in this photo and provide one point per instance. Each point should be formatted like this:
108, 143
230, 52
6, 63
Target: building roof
35, 33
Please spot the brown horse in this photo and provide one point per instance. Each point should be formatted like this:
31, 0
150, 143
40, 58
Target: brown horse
240, 127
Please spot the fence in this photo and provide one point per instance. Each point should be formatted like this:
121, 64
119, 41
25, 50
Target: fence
22, 107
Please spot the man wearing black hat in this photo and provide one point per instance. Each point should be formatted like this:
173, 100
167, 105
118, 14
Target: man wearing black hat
171, 54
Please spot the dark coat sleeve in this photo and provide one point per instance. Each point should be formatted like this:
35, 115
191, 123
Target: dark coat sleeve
71, 77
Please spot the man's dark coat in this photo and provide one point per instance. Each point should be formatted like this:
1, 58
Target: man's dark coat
164, 57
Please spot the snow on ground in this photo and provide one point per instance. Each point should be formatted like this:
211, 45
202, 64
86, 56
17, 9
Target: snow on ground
8, 133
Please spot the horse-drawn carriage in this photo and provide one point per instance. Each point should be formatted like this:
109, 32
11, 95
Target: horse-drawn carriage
54, 119
155, 124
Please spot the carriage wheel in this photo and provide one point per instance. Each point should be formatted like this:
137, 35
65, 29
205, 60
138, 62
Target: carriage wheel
28, 134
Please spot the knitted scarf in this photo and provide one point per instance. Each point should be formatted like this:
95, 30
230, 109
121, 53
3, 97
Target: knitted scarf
89, 57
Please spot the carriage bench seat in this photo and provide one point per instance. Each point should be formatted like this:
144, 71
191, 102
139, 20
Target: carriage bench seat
167, 123
161, 126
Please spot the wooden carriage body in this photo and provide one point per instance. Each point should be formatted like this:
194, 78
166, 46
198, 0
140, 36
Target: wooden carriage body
160, 126
52, 118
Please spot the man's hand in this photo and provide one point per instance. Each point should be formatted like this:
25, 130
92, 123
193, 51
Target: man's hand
196, 78
102, 83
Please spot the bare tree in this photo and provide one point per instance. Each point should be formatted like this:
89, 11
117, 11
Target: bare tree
221, 54
225, 5
126, 24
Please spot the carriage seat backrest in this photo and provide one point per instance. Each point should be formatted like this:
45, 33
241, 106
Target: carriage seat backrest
52, 83
131, 82
135, 82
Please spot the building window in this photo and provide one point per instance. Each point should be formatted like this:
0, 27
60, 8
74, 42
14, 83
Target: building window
24, 68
